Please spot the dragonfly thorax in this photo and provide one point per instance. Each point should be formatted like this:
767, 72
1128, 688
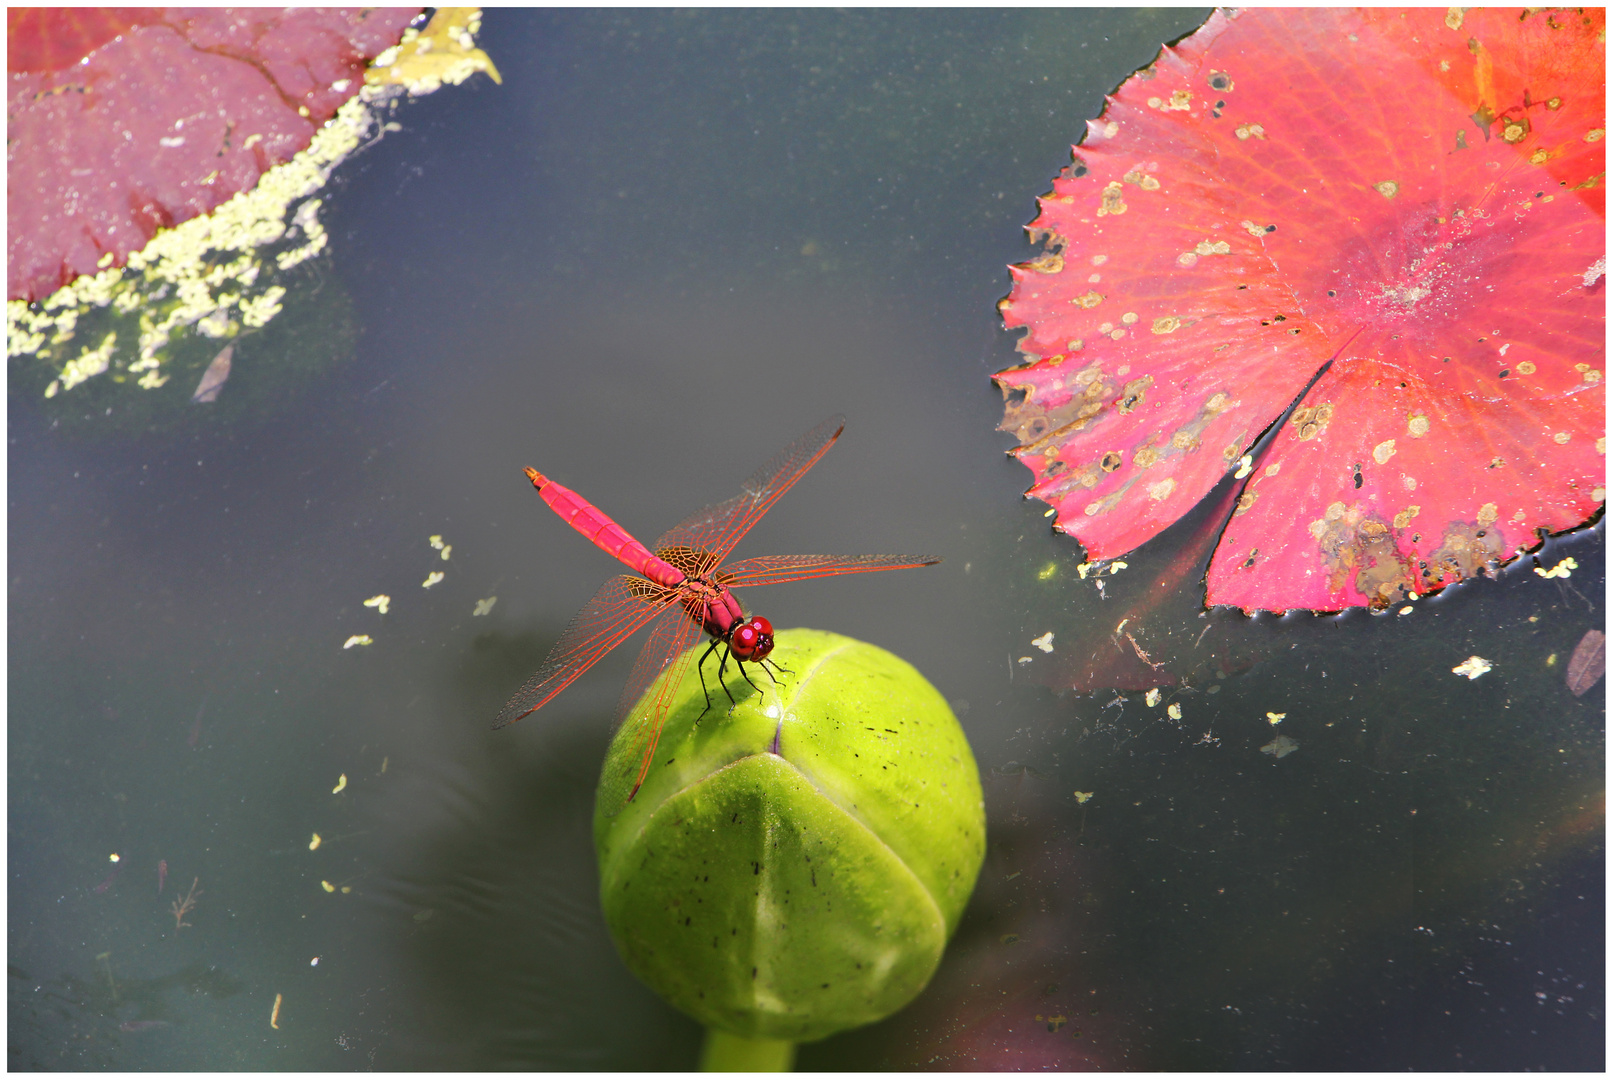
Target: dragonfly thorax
711, 605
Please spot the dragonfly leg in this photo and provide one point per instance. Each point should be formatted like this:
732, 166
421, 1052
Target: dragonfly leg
701, 666
744, 675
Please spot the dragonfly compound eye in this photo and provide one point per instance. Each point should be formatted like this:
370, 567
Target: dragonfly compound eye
743, 641
764, 637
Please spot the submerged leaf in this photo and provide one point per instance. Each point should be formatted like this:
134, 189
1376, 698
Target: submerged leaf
1589, 662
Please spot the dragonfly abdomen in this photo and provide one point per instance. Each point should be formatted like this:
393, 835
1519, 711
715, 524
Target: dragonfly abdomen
593, 523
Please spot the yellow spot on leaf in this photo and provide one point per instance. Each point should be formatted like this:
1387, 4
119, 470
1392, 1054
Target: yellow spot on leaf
1417, 423
1387, 188
1383, 451
1162, 489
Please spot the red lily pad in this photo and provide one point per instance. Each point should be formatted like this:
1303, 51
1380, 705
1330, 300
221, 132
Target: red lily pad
1417, 196
122, 121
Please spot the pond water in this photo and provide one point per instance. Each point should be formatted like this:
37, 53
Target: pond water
665, 246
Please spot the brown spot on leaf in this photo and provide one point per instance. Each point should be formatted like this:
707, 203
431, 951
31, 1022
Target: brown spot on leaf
1312, 420
1462, 553
1357, 548
1110, 201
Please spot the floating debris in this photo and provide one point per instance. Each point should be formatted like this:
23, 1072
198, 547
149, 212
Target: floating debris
1045, 642
180, 907
327, 886
1280, 747
443, 52
1275, 718
1174, 711
484, 606
1082, 796
1562, 569
340, 784
314, 962
274, 1017
358, 639
1589, 662
313, 845
432, 579
1152, 697
1472, 667
213, 378
380, 602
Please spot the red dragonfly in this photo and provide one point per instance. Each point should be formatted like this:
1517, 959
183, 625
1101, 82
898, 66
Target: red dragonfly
681, 582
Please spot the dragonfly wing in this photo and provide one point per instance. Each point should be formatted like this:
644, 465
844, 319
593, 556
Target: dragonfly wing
669, 643
622, 605
718, 528
773, 569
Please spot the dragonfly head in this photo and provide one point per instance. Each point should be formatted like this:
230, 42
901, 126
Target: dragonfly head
752, 639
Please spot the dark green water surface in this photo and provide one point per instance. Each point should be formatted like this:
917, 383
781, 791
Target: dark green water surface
665, 246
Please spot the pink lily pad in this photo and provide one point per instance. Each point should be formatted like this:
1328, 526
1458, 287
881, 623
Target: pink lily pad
1417, 196
122, 121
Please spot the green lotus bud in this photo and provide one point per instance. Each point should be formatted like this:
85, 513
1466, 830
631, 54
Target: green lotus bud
794, 865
